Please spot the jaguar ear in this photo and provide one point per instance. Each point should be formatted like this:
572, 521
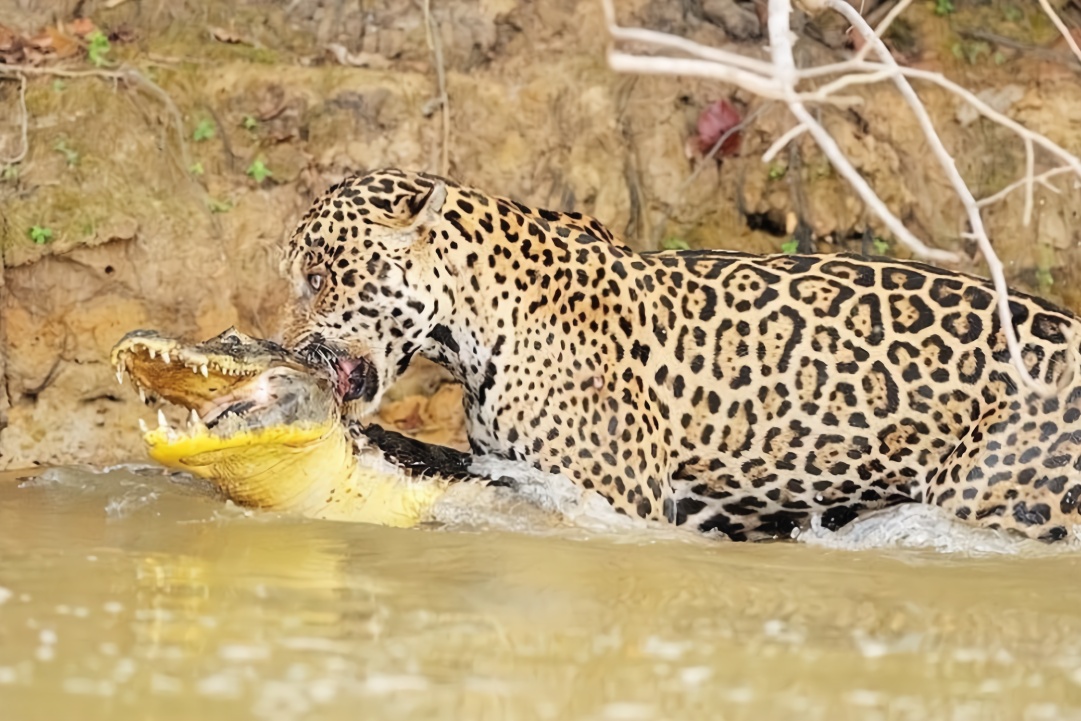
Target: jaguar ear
426, 208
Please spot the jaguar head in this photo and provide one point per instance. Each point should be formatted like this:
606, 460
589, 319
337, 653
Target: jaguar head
369, 278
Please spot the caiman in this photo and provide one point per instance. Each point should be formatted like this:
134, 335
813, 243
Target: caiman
267, 430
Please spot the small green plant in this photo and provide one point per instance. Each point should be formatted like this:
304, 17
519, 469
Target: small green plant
97, 48
944, 7
250, 123
790, 246
674, 243
777, 171
970, 51
1013, 14
1044, 279
881, 246
196, 169
203, 131
10, 173
258, 170
219, 206
70, 155
40, 234
59, 86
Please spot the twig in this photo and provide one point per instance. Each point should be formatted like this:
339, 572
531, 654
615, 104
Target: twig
876, 72
436, 46
780, 42
883, 26
689, 180
716, 147
1029, 50
1042, 179
24, 126
664, 40
751, 82
972, 209
178, 122
778, 145
60, 72
130, 75
1050, 12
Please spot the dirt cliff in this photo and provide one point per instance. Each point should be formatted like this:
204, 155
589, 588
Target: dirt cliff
161, 200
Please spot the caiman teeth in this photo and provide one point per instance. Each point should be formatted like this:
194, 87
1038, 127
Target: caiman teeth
152, 353
119, 376
162, 422
143, 427
204, 371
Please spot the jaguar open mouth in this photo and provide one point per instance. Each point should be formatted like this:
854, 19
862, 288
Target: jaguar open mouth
354, 378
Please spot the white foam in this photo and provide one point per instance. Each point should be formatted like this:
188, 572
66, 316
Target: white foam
539, 501
536, 501
915, 525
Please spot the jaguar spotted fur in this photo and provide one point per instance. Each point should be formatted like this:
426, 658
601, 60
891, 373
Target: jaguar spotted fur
732, 392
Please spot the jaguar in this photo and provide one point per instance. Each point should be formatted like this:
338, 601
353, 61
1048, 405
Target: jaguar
727, 392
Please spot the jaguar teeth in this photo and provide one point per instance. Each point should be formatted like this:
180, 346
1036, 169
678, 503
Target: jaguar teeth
142, 395
162, 422
119, 376
143, 427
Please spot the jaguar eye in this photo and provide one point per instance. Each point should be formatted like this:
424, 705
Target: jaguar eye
315, 281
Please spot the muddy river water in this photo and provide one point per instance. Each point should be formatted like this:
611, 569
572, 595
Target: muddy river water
132, 596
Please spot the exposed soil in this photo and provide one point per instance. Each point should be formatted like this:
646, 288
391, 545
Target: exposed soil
152, 227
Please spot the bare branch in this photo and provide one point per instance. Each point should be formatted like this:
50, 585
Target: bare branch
1042, 179
673, 42
24, 124
1050, 11
778, 145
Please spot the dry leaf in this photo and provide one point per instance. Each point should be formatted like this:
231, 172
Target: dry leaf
63, 45
82, 26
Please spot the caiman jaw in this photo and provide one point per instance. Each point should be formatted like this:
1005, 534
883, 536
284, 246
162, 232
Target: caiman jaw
226, 384
182, 375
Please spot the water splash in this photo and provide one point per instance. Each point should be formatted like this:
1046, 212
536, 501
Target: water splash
927, 527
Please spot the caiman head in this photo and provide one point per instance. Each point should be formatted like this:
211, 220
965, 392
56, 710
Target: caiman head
266, 429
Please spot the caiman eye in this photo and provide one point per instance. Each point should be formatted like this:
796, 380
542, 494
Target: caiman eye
315, 281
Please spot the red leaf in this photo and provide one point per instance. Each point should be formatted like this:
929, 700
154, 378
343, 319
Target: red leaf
714, 121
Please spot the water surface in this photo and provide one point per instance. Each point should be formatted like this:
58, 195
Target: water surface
126, 595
